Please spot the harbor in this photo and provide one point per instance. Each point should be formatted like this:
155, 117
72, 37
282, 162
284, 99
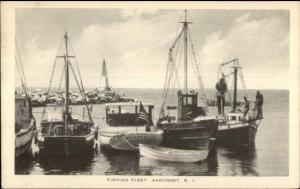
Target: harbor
223, 162
205, 120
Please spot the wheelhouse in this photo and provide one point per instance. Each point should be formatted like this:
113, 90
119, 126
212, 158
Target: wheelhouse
126, 114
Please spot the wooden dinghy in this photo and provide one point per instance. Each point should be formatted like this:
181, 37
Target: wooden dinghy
130, 141
171, 154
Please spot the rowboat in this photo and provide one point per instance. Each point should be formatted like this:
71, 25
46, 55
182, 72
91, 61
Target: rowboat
171, 154
130, 141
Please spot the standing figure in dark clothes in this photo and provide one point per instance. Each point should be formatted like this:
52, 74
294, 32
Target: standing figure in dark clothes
246, 107
221, 88
259, 104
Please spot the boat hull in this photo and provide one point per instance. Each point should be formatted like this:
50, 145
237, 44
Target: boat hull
130, 141
169, 154
242, 134
190, 135
23, 140
106, 134
67, 145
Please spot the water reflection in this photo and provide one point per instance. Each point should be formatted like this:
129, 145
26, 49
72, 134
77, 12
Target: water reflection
221, 161
237, 161
121, 162
65, 164
24, 164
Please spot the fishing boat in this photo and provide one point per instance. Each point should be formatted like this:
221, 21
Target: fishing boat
170, 154
25, 125
127, 125
191, 128
237, 127
64, 134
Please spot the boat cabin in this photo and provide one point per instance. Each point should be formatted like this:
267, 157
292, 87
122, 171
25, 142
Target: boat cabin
54, 124
188, 106
235, 117
126, 114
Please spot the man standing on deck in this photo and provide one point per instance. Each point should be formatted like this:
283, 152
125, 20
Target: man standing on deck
259, 104
221, 88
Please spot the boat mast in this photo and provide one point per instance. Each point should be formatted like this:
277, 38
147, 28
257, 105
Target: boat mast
67, 85
235, 71
185, 26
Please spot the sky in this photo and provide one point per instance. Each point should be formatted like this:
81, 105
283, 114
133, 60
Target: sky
135, 44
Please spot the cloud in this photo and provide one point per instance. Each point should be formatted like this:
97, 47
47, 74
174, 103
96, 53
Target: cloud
136, 45
129, 13
37, 63
260, 45
135, 50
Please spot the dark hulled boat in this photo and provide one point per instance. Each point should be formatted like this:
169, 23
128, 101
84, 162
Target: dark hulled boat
238, 128
191, 128
64, 134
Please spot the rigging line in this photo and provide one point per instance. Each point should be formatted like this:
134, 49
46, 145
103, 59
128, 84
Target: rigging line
51, 78
171, 71
178, 23
77, 82
58, 90
198, 68
167, 83
176, 43
178, 37
242, 78
22, 82
170, 76
177, 67
231, 88
167, 71
203, 96
60, 84
22, 77
171, 59
82, 88
174, 77
20, 62
196, 55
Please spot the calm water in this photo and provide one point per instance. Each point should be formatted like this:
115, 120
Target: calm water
269, 158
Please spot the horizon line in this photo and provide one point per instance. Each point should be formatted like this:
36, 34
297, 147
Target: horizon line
163, 88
